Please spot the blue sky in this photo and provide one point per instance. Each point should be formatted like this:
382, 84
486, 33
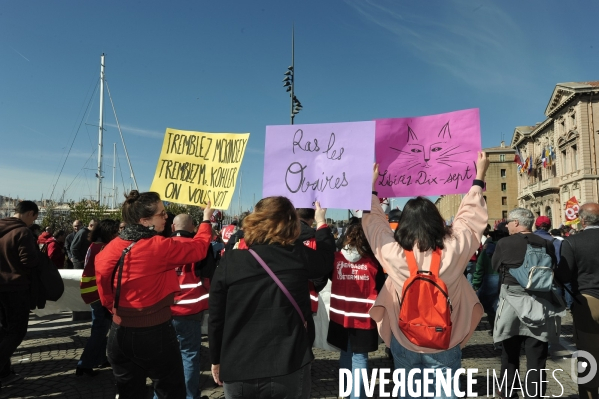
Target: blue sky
217, 66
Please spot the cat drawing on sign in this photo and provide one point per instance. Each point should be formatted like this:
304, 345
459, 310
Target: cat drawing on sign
428, 151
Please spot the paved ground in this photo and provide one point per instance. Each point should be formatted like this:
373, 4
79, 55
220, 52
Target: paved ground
48, 356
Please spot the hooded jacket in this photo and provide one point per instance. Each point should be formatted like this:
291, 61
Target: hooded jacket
19, 255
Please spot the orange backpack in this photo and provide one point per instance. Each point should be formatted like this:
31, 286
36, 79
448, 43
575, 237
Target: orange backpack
425, 308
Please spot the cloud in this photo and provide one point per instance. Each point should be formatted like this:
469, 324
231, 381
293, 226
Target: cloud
138, 131
478, 45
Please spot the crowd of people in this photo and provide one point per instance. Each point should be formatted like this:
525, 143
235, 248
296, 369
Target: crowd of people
406, 277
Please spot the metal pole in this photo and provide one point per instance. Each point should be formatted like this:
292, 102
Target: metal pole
113, 172
100, 130
292, 69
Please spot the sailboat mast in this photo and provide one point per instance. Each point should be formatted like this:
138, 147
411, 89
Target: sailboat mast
100, 130
113, 173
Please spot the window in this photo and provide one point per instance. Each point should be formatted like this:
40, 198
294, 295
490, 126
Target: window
574, 159
504, 214
503, 200
503, 186
502, 172
502, 157
564, 162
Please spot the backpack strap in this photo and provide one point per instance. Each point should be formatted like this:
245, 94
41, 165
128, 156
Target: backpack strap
119, 267
435, 262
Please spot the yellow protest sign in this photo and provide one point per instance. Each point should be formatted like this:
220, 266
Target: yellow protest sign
197, 167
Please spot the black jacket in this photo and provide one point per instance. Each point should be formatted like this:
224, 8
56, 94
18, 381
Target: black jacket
254, 330
580, 262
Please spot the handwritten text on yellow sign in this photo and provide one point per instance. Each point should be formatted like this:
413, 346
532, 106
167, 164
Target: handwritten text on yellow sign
197, 167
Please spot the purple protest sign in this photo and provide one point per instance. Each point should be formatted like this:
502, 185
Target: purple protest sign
427, 155
329, 162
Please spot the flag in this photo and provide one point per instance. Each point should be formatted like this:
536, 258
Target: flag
552, 153
530, 166
572, 209
518, 157
549, 160
525, 165
544, 157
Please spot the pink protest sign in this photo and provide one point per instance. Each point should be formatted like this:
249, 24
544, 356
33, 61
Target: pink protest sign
329, 162
427, 155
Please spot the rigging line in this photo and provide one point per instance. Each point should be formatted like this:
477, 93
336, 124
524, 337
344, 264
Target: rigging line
121, 134
83, 167
89, 88
71, 147
118, 160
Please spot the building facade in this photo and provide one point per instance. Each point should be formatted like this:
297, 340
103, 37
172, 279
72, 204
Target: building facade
560, 154
501, 187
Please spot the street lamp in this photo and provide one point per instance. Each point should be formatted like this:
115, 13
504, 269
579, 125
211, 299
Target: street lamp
289, 82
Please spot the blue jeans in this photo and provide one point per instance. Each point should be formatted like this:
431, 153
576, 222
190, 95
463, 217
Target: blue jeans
470, 268
408, 360
189, 334
354, 361
488, 295
136, 353
94, 353
565, 294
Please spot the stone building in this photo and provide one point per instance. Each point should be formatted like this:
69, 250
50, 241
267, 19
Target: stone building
561, 152
501, 191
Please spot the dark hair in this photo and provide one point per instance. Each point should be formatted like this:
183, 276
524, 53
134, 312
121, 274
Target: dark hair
556, 232
394, 215
353, 220
306, 213
421, 224
168, 227
35, 227
26, 206
138, 206
274, 220
355, 237
58, 233
242, 217
487, 230
105, 231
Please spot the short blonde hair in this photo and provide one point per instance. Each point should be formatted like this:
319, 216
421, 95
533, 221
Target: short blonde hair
274, 220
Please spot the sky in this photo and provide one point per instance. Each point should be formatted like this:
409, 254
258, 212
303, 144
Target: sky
217, 66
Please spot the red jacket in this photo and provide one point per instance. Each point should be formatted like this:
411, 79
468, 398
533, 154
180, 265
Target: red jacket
353, 292
45, 237
56, 253
149, 268
193, 297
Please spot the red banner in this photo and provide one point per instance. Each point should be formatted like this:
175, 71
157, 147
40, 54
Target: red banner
572, 209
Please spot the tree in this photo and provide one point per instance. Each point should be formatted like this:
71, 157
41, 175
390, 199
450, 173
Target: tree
87, 210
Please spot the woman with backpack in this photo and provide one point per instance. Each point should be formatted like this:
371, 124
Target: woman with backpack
355, 282
425, 262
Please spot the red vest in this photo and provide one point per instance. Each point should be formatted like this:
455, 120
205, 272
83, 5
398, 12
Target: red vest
193, 297
311, 243
353, 292
88, 286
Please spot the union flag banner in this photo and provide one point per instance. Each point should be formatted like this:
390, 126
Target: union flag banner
572, 209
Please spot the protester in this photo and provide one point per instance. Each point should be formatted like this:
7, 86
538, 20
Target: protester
80, 244
237, 234
36, 230
308, 237
94, 353
142, 341
578, 265
56, 248
68, 241
356, 280
190, 304
524, 317
423, 231
122, 226
19, 258
485, 280
259, 346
